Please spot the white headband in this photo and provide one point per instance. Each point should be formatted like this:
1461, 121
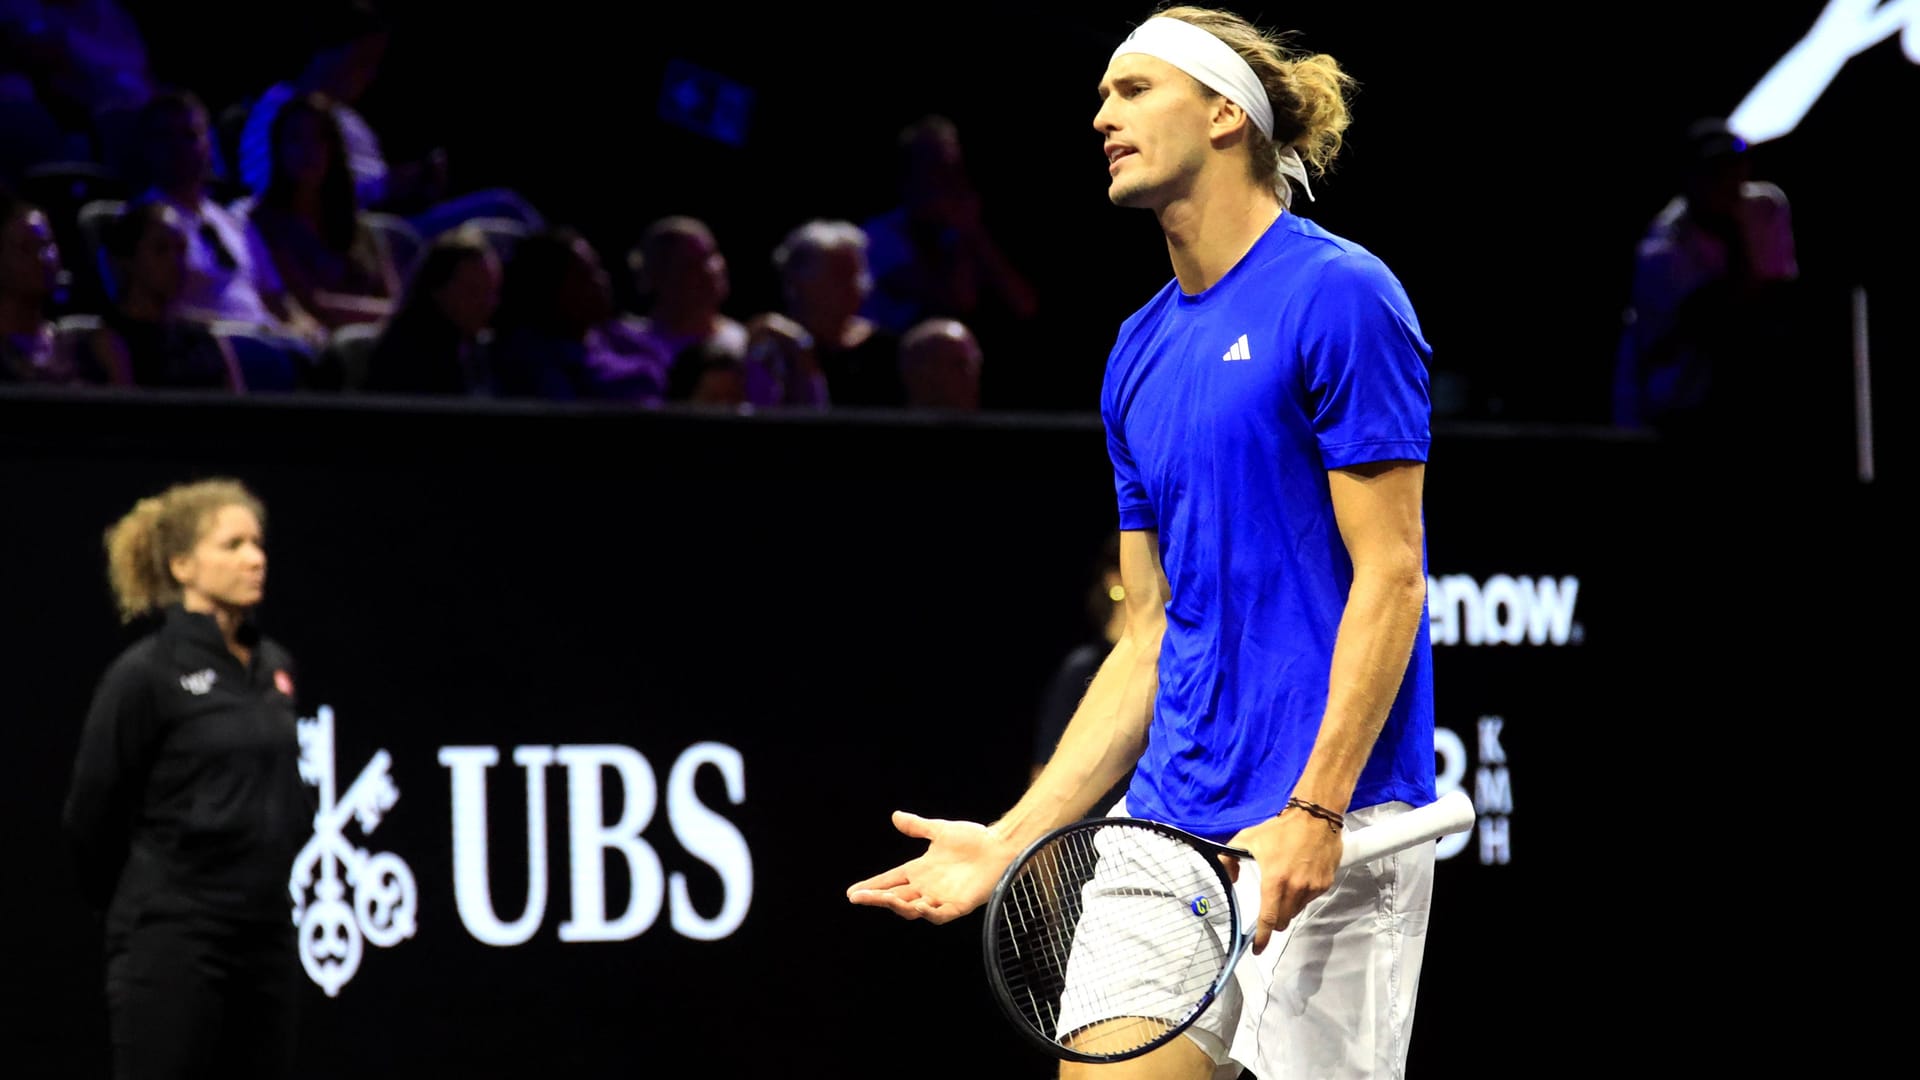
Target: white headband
1214, 65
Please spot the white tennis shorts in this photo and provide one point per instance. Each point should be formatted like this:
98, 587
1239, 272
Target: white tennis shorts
1331, 996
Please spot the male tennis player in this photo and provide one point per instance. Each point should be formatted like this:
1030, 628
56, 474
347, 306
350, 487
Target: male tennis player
1267, 418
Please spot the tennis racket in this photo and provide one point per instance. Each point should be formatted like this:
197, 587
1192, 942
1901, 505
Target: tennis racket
1117, 980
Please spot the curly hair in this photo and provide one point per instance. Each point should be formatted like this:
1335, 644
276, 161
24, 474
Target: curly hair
143, 543
1309, 93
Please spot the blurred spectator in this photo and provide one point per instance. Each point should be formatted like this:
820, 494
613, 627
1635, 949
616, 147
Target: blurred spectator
143, 340
31, 349
932, 255
76, 75
708, 374
30, 133
230, 273
435, 343
97, 52
679, 270
349, 45
823, 274
940, 365
554, 297
1705, 309
326, 255
780, 368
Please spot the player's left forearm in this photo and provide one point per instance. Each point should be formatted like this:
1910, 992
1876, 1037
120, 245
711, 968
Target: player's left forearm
1370, 653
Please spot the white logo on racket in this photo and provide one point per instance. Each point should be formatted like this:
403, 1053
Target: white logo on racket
334, 921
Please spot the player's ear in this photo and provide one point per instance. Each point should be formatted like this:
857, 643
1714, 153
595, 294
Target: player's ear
1228, 121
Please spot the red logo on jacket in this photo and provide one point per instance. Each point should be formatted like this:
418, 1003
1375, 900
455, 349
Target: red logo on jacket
283, 681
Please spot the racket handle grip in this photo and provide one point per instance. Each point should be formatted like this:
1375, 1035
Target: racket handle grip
1449, 814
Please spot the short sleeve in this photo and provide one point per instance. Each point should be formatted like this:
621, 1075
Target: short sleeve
1368, 383
1136, 512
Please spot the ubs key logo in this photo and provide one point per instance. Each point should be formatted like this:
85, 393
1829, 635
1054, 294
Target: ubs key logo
343, 895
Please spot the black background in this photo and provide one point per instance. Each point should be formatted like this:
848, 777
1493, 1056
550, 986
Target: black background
868, 609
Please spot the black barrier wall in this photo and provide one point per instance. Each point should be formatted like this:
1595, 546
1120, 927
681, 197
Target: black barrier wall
716, 651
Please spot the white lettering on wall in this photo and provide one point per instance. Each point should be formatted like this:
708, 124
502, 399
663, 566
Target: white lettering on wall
705, 835
1450, 768
1504, 610
1845, 29
712, 839
590, 839
1493, 795
1492, 790
1491, 752
1496, 841
472, 877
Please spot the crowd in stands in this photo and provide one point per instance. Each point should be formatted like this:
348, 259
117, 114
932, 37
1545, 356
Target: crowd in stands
274, 247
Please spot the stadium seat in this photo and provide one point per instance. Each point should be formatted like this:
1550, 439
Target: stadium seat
93, 219
403, 241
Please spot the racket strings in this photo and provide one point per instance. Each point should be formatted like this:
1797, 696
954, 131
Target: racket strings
1107, 939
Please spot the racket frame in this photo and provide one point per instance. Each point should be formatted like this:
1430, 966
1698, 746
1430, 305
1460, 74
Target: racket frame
1451, 813
1237, 945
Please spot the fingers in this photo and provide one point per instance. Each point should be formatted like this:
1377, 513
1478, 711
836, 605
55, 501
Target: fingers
940, 913
877, 898
907, 892
908, 903
892, 878
901, 900
1269, 920
895, 889
1233, 868
913, 824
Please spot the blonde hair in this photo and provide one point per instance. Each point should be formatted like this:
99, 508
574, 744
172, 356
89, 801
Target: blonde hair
1308, 92
142, 545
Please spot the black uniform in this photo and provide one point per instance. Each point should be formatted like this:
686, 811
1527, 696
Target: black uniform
185, 813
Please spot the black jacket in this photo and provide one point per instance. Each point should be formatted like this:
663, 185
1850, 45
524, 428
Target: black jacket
186, 796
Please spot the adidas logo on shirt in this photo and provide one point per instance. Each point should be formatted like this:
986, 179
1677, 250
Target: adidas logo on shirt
1238, 351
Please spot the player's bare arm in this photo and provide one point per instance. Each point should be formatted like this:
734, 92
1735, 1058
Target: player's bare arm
1378, 510
1103, 740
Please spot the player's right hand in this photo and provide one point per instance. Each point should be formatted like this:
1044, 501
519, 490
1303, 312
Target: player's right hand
957, 873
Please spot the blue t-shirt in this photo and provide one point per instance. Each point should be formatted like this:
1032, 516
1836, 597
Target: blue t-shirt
1224, 412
